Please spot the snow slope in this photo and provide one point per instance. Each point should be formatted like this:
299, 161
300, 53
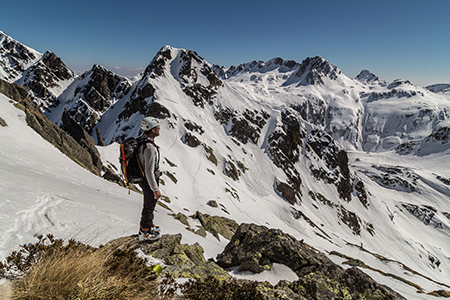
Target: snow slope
42, 191
404, 224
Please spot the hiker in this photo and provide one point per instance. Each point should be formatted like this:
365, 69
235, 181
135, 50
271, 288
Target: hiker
149, 157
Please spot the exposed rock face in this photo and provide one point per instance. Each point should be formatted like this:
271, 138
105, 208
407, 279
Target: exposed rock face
256, 248
439, 88
440, 136
255, 66
191, 140
286, 191
244, 126
192, 64
336, 160
83, 138
394, 177
425, 213
285, 144
13, 91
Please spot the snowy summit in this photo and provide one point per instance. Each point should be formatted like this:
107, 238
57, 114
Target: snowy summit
351, 166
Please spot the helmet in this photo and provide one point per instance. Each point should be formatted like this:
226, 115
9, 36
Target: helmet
148, 123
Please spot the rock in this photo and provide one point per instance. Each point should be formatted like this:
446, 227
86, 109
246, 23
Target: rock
182, 218
100, 140
202, 271
212, 203
286, 191
256, 248
182, 260
191, 140
83, 138
217, 225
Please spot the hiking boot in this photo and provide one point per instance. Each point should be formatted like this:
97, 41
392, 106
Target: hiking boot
148, 235
155, 228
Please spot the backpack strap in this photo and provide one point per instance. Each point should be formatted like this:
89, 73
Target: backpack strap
144, 141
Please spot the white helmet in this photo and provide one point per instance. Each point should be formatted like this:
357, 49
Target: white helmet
148, 123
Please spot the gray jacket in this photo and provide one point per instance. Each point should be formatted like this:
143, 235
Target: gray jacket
149, 158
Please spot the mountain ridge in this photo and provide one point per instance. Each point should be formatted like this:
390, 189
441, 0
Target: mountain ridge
348, 161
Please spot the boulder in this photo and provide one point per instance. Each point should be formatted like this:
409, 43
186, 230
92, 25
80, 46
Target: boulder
217, 225
182, 260
255, 248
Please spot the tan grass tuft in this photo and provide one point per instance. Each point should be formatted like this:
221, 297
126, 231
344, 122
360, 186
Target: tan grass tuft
81, 275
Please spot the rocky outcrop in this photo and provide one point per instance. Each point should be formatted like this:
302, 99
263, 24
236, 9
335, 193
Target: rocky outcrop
285, 144
336, 160
256, 248
102, 88
367, 77
83, 138
255, 66
244, 126
286, 191
12, 90
181, 260
394, 177
217, 225
192, 65
425, 213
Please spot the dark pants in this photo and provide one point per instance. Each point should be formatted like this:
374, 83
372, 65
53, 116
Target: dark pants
149, 205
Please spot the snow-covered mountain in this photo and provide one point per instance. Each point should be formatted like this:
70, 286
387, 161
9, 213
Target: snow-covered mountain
45, 75
354, 166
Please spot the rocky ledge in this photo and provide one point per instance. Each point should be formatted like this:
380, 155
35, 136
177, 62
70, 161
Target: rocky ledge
255, 248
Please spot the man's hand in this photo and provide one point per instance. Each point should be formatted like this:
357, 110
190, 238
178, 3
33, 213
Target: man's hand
157, 195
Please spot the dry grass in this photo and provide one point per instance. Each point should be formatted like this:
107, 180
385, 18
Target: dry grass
77, 275
5, 290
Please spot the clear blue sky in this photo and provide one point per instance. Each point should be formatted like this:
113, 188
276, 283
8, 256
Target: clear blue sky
392, 38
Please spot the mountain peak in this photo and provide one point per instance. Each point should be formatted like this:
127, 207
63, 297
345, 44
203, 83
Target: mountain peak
156, 66
365, 76
15, 58
313, 70
56, 65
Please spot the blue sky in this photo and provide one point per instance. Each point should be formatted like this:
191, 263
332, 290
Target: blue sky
393, 39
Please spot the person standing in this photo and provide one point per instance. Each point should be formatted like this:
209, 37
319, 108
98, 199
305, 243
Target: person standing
149, 157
